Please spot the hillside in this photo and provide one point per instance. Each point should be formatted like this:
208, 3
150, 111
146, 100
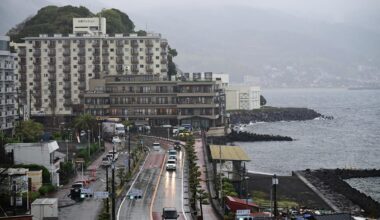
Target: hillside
54, 19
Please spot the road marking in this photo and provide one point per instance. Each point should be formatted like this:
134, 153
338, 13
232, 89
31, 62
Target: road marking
147, 185
125, 196
155, 189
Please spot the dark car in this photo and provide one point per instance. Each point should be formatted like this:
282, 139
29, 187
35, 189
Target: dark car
169, 213
177, 145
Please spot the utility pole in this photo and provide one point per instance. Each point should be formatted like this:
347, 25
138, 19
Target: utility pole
129, 150
88, 144
107, 189
113, 184
14, 190
274, 184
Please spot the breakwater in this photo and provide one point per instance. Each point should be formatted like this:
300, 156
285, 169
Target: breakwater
243, 136
272, 114
331, 183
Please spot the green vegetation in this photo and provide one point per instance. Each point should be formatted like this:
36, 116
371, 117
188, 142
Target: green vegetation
83, 153
84, 122
117, 21
263, 200
53, 20
194, 173
46, 189
30, 131
263, 101
66, 172
172, 69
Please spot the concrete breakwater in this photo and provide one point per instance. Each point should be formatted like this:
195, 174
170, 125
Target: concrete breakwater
330, 182
247, 137
272, 114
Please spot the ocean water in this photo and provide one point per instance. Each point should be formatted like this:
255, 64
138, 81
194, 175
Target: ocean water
350, 140
369, 186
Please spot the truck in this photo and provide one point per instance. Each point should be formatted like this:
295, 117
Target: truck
111, 129
45, 208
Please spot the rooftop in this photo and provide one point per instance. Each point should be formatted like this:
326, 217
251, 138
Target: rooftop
228, 153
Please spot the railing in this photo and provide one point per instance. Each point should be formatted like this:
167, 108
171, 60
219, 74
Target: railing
149, 43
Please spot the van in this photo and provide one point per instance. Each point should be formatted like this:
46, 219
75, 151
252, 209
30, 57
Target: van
171, 164
169, 213
156, 146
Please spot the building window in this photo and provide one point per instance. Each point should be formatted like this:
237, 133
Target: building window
157, 57
89, 49
157, 65
141, 57
111, 49
141, 49
141, 66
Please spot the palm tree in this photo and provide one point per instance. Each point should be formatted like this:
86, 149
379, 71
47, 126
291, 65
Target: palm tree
84, 122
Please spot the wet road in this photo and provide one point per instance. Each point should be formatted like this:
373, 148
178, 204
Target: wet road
145, 183
169, 192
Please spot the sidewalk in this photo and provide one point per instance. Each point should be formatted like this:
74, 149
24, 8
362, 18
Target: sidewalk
208, 211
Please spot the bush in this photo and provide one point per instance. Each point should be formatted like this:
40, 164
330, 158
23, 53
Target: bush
45, 189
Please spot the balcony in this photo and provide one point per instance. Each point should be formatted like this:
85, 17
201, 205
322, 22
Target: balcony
149, 69
119, 52
149, 52
164, 70
67, 77
149, 60
66, 53
37, 94
22, 69
135, 68
52, 70
96, 60
149, 43
135, 60
119, 60
37, 78
67, 69
81, 44
67, 103
51, 44
134, 43
96, 44
96, 53
82, 70
119, 70
37, 44
82, 77
81, 53
82, 60
105, 44
82, 86
51, 62
134, 52
52, 86
105, 53
105, 60
22, 53
66, 61
51, 53
52, 78
67, 95
37, 70
67, 86
37, 104
66, 44
164, 61
37, 53
37, 62
119, 43
163, 52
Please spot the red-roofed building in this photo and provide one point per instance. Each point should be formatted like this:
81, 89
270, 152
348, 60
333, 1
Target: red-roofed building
234, 203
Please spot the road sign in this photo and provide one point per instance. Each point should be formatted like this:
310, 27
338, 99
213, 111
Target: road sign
240, 212
86, 191
101, 195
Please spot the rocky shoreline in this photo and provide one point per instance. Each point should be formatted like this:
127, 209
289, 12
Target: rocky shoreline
332, 185
273, 114
244, 136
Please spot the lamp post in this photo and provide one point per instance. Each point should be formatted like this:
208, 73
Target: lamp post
274, 185
88, 143
99, 124
129, 150
113, 184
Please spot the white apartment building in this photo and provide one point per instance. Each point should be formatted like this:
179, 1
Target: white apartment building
55, 69
44, 153
8, 111
242, 97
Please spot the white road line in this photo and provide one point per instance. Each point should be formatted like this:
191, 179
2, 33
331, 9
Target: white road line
125, 196
183, 177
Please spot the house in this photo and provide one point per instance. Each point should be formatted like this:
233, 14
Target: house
42, 153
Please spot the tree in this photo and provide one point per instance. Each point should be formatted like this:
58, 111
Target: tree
172, 68
84, 122
30, 131
263, 101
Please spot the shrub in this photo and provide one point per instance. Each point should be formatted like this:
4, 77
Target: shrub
45, 189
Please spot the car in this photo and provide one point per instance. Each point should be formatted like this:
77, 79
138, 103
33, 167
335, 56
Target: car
106, 161
177, 145
171, 164
111, 152
172, 152
169, 213
156, 146
116, 140
172, 157
110, 156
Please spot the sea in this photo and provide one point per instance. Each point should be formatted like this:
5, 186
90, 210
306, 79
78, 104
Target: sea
350, 140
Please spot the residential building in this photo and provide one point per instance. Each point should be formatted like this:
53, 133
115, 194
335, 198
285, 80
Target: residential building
223, 78
193, 99
43, 153
21, 176
242, 97
8, 111
55, 70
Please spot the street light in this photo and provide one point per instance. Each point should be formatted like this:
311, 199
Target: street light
99, 124
129, 150
274, 185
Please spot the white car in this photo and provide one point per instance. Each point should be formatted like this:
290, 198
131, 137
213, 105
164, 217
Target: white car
171, 164
116, 140
156, 146
106, 161
111, 155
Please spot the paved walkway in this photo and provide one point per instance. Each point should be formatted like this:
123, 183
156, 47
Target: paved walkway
208, 211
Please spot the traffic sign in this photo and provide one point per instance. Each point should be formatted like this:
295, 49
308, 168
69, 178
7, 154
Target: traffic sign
240, 212
86, 191
101, 195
